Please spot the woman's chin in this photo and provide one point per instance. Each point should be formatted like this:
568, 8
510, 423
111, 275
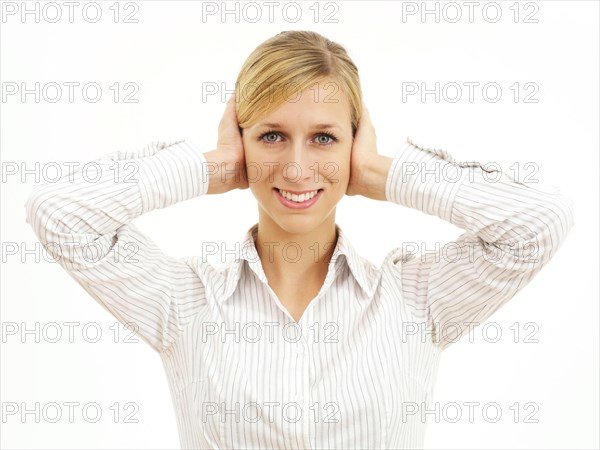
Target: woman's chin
298, 224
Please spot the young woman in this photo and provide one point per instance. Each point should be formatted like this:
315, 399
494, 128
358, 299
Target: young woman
298, 342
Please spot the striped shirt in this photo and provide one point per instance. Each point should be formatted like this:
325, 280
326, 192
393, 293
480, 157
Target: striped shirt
359, 367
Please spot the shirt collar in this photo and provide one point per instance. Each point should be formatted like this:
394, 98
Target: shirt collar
365, 273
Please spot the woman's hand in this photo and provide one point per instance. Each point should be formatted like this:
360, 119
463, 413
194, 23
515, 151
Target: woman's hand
364, 151
368, 169
229, 155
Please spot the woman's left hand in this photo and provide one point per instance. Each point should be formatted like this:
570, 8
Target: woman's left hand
364, 149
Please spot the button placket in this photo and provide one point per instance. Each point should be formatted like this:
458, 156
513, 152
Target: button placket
293, 409
308, 338
299, 396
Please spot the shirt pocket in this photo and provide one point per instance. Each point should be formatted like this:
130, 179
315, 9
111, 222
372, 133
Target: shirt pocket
201, 412
222, 421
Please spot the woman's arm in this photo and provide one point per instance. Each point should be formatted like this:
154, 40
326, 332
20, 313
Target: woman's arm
84, 221
85, 224
512, 231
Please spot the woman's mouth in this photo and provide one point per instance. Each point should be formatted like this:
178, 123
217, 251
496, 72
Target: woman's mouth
296, 201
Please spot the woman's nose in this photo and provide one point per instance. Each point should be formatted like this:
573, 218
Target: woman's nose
300, 165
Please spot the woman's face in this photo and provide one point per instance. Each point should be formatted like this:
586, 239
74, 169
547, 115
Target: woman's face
303, 146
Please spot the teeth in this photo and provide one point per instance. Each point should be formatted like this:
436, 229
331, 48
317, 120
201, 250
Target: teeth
298, 198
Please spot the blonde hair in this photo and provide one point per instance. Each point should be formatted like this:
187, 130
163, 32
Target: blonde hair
294, 59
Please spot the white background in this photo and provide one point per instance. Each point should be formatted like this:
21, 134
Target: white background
169, 53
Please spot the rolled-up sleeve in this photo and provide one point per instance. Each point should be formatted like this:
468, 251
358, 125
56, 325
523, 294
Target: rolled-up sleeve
84, 221
512, 230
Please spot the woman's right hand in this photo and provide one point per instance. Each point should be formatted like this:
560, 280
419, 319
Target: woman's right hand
229, 169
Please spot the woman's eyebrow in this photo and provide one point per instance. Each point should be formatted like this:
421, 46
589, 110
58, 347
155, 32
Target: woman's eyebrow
317, 126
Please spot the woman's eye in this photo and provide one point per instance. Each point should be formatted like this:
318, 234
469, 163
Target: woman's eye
323, 138
271, 134
326, 136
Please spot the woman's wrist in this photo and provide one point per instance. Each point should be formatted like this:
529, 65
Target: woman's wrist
373, 177
224, 174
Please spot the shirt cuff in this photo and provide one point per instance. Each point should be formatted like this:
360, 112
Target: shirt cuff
170, 173
425, 179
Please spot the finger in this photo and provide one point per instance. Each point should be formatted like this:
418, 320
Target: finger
233, 105
231, 102
229, 114
364, 117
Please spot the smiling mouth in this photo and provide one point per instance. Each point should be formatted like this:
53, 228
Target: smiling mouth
298, 198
